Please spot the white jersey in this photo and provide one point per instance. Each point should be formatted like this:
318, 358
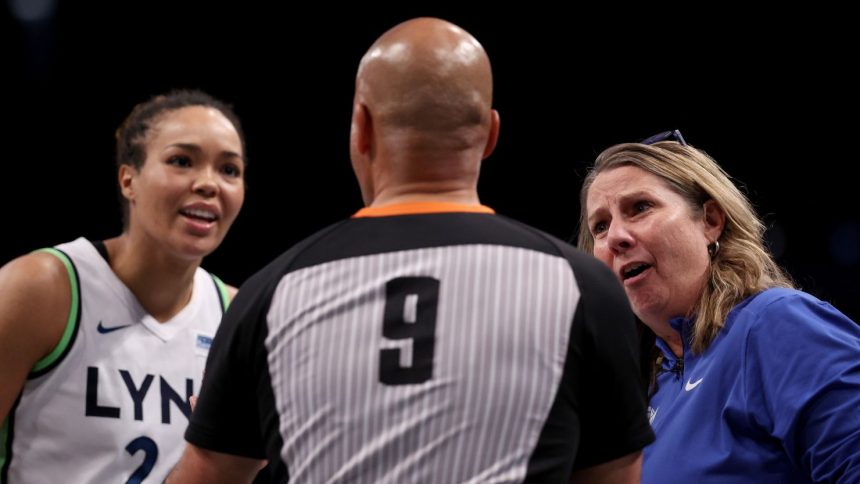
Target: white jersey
111, 403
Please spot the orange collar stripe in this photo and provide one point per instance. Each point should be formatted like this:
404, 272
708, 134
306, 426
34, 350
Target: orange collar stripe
413, 208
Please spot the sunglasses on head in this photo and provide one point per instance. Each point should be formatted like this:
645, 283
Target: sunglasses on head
674, 135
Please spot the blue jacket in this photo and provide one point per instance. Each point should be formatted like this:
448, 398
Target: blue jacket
774, 399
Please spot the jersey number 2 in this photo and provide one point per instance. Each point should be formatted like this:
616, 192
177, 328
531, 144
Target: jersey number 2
150, 454
410, 313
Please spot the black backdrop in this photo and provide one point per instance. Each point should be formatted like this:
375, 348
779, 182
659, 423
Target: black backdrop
769, 95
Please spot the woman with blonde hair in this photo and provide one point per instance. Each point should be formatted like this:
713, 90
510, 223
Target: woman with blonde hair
751, 380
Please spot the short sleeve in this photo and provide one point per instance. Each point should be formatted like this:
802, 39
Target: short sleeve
227, 417
605, 381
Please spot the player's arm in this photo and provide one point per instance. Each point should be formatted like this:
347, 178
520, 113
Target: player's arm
34, 310
209, 467
624, 470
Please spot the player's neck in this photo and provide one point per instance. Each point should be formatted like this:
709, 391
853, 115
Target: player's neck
161, 284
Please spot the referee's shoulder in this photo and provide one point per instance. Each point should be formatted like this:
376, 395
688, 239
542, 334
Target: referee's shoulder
263, 282
589, 272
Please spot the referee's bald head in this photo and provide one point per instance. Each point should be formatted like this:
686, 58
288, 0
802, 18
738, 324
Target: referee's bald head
427, 73
423, 105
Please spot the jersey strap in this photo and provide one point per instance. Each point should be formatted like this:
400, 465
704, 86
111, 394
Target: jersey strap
52, 359
222, 292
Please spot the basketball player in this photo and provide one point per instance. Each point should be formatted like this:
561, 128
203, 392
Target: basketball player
426, 339
103, 342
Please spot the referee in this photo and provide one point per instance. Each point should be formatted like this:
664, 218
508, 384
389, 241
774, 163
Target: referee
425, 339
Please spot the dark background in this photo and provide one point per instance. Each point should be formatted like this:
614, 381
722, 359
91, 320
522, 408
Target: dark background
770, 96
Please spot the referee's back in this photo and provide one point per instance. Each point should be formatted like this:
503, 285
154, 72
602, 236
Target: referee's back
433, 347
425, 339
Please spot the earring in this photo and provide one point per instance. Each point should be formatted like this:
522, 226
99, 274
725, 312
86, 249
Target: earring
713, 248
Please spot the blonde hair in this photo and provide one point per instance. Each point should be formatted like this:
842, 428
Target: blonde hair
741, 267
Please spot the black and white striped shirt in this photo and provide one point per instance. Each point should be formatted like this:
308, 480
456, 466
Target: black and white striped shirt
436, 347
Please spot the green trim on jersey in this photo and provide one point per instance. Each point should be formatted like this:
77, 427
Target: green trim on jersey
222, 291
3, 434
71, 323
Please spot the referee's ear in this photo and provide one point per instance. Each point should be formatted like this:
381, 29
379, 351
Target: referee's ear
362, 130
493, 135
